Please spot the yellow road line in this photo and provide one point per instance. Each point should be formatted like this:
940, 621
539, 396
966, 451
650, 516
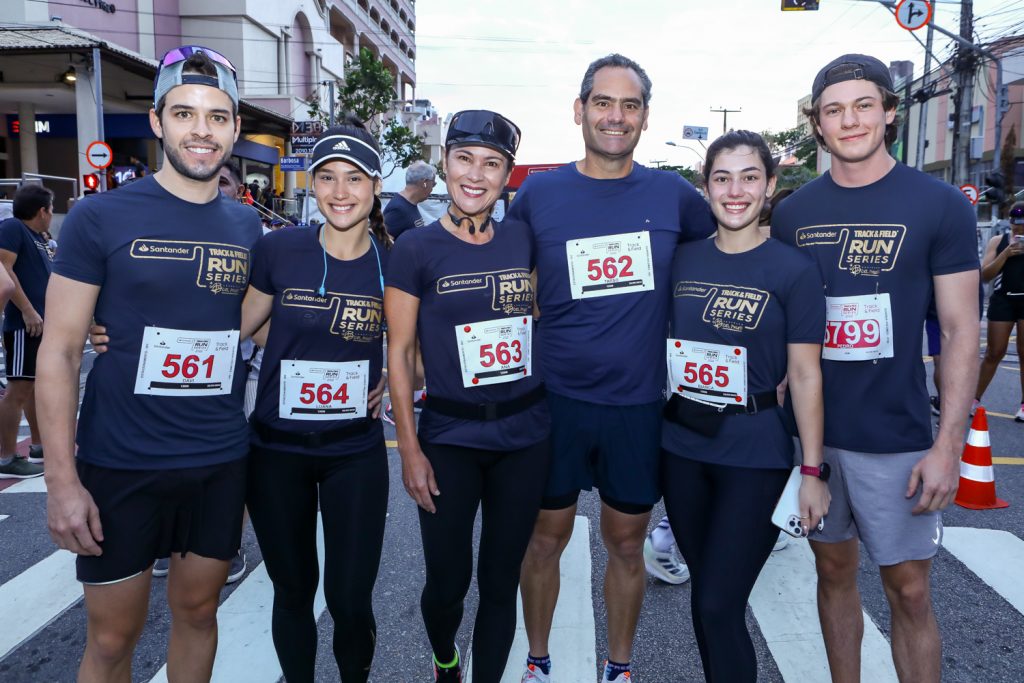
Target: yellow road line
391, 444
1008, 461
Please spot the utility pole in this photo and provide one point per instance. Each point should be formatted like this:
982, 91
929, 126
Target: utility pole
330, 111
922, 118
964, 102
725, 117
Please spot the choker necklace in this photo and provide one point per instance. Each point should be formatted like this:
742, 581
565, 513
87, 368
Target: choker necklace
472, 227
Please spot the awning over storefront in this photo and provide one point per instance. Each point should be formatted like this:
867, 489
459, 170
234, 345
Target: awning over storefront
254, 151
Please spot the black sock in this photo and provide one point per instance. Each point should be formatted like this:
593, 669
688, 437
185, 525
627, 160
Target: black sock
542, 663
613, 669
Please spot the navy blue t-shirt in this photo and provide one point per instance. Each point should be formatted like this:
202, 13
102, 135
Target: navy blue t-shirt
762, 300
400, 215
159, 261
606, 349
891, 236
32, 267
344, 325
458, 284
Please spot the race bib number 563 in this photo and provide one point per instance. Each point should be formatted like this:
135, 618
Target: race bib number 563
614, 264
858, 328
494, 351
186, 362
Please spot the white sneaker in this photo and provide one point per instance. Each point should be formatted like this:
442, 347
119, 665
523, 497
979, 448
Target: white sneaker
665, 566
782, 542
624, 677
534, 674
1019, 417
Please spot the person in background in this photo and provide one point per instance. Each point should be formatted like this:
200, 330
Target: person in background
401, 213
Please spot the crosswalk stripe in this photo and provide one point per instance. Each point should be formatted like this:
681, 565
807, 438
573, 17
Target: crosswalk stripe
35, 597
995, 556
3, 517
245, 648
784, 602
572, 642
33, 485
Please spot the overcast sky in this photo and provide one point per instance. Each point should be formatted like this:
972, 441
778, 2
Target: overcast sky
525, 59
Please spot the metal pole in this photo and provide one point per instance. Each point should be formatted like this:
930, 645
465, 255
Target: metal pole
97, 89
330, 114
965, 96
922, 117
997, 154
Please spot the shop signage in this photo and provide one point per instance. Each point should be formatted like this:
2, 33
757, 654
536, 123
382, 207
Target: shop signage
101, 5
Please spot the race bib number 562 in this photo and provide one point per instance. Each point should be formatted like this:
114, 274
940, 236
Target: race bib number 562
614, 264
186, 362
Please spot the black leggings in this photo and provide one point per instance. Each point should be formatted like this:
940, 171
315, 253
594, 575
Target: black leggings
508, 485
284, 489
721, 519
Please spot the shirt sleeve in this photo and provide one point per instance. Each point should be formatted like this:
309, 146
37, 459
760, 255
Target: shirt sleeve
403, 271
955, 246
82, 255
519, 209
805, 304
11, 236
262, 253
698, 221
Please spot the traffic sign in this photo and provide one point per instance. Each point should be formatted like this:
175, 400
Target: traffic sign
971, 192
695, 133
913, 14
98, 154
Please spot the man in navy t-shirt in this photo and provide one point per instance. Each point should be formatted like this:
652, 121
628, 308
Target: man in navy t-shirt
605, 231
160, 470
401, 213
885, 237
27, 257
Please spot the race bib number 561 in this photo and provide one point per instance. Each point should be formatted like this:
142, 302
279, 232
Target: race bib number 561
858, 328
186, 362
614, 264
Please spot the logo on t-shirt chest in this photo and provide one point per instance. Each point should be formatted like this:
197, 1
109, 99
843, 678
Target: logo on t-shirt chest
510, 291
728, 307
862, 249
353, 317
221, 268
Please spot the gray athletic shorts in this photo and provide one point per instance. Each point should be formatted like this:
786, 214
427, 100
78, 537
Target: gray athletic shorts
869, 503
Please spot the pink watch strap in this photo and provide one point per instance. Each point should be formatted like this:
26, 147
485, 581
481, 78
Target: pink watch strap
810, 471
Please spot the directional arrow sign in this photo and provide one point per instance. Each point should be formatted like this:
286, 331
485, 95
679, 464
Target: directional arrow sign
913, 14
971, 192
98, 154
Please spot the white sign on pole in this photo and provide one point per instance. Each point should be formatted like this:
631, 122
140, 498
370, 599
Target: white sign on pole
98, 154
695, 133
913, 14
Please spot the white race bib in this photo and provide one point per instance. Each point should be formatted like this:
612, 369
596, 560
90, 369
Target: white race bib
712, 373
614, 264
322, 390
495, 351
186, 362
857, 328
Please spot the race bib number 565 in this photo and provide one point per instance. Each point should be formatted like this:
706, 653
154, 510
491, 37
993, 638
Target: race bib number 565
186, 362
614, 264
713, 373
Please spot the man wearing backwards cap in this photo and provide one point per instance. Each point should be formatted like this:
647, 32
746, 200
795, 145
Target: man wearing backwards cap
162, 440
884, 237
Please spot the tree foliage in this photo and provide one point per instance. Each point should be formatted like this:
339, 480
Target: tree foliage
686, 172
793, 142
368, 92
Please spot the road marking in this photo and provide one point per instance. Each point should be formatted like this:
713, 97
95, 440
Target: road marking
35, 597
33, 485
573, 643
787, 614
391, 444
1008, 461
995, 556
245, 648
3, 517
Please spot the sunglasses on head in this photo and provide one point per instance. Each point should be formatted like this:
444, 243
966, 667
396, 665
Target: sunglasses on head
180, 54
1016, 213
486, 124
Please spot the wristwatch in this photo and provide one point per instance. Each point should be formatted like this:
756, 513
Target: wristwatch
823, 472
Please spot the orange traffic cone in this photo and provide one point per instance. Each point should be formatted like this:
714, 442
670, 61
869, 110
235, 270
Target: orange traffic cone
977, 478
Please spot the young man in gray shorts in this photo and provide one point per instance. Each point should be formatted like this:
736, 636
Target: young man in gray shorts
884, 237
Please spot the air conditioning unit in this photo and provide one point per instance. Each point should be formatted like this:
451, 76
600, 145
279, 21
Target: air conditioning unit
977, 147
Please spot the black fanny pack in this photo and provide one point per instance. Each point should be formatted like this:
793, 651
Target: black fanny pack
484, 411
271, 435
706, 419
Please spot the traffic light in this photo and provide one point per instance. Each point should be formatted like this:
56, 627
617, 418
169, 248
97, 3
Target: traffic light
799, 5
90, 183
996, 193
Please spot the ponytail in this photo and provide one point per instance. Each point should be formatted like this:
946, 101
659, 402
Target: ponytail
377, 228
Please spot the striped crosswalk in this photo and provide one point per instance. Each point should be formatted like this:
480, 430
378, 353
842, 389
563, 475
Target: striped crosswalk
782, 604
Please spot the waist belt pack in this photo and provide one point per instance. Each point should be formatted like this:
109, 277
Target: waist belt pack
310, 439
707, 419
484, 411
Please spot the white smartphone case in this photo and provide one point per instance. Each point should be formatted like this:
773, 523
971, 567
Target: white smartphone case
787, 511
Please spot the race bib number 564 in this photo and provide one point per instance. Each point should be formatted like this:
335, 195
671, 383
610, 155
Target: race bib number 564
186, 362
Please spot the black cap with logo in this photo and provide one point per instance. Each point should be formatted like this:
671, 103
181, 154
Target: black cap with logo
849, 68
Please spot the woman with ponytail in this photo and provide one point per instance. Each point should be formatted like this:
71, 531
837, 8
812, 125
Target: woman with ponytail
461, 287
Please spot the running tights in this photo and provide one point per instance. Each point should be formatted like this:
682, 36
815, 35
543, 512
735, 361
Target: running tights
352, 491
508, 485
721, 516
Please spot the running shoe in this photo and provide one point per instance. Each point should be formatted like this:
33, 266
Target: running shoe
417, 405
934, 400
534, 674
1019, 417
388, 414
782, 542
665, 565
238, 566
35, 454
20, 468
622, 677
451, 674
161, 566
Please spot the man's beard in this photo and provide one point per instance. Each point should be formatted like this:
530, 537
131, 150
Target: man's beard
203, 174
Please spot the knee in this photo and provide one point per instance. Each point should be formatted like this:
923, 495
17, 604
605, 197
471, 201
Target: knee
994, 352
910, 598
350, 614
714, 609
625, 545
112, 645
200, 615
836, 573
547, 544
